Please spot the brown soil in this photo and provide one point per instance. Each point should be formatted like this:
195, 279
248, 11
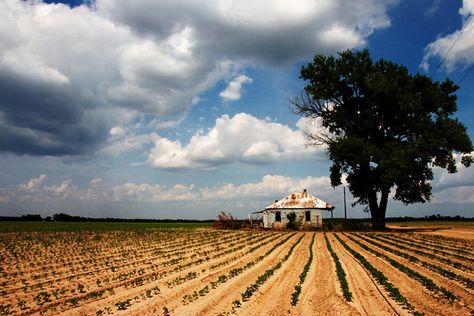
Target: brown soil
467, 234
321, 293
31, 266
442, 264
465, 294
169, 297
422, 299
274, 296
369, 297
220, 299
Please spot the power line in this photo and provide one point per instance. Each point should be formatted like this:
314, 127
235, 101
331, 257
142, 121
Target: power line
465, 75
452, 45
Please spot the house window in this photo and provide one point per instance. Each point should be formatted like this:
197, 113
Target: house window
307, 216
277, 216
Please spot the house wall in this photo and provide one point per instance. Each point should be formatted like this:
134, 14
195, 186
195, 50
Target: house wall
269, 220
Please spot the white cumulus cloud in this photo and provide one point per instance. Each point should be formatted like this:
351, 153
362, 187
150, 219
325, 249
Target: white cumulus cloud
457, 48
241, 138
69, 75
233, 91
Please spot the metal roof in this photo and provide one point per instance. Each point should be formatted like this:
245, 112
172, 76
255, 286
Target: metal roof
300, 200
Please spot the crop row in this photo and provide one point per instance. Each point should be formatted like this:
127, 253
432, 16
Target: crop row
190, 275
193, 275
424, 280
233, 273
127, 278
433, 267
466, 250
341, 274
451, 242
247, 294
98, 263
302, 277
436, 250
21, 248
393, 291
442, 259
119, 277
251, 250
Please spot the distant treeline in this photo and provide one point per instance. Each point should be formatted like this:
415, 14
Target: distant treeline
62, 217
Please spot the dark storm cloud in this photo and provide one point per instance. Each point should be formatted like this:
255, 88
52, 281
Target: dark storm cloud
41, 118
68, 75
261, 32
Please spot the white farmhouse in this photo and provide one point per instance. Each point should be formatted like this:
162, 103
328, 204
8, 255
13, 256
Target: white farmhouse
308, 210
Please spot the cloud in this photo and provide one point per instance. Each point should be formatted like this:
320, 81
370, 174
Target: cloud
444, 180
434, 8
450, 190
68, 75
34, 190
51, 77
270, 186
263, 32
152, 193
457, 48
241, 138
233, 91
467, 8
124, 142
33, 184
62, 190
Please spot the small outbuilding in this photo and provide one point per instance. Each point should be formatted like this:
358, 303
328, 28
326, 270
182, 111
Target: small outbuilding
308, 210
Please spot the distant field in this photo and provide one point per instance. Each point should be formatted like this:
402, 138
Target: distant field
13, 226
450, 229
182, 269
444, 224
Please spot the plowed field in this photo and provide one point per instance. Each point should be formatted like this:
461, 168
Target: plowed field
200, 271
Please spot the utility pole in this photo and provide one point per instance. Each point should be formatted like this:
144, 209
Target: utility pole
345, 207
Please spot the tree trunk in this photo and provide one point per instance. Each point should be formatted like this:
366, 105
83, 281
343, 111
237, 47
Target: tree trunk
378, 211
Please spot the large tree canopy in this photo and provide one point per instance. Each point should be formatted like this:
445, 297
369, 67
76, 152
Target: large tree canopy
385, 128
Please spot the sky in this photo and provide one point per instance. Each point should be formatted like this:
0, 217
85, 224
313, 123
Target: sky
180, 109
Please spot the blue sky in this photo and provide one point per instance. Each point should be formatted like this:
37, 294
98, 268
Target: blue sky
180, 109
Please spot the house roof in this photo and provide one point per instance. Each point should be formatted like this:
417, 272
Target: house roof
299, 200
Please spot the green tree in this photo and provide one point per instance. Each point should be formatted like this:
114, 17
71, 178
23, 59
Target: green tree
384, 128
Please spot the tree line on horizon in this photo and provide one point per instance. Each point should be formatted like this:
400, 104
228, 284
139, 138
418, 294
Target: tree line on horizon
63, 217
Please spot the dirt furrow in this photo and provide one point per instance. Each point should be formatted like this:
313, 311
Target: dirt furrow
438, 245
218, 299
465, 262
369, 298
390, 243
274, 296
466, 295
416, 293
321, 293
202, 270
453, 235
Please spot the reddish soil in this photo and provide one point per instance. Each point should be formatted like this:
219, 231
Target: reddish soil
157, 271
422, 299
